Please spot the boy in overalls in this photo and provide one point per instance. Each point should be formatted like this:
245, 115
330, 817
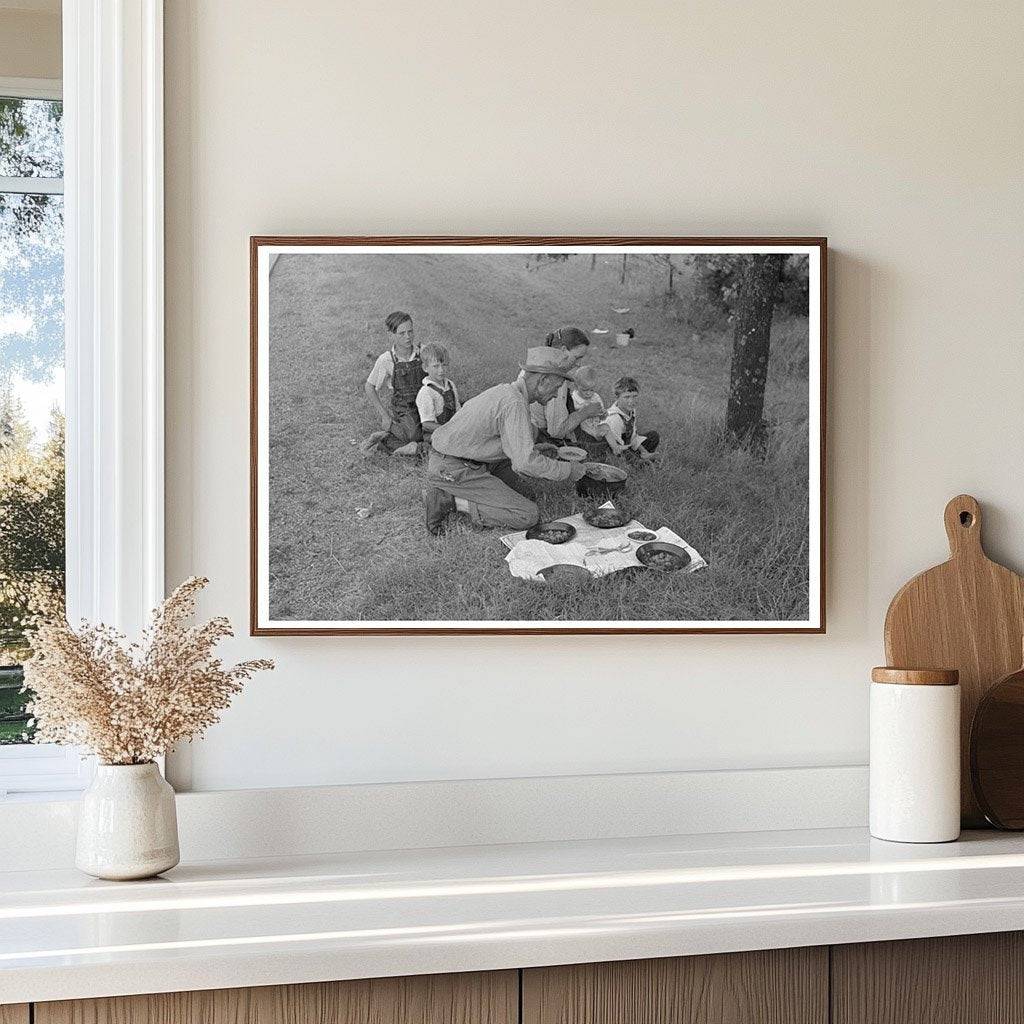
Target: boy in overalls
400, 372
623, 437
438, 399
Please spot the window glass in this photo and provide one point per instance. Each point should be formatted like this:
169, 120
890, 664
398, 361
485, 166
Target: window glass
31, 387
31, 138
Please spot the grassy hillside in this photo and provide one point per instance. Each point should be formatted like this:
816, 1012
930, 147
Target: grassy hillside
747, 516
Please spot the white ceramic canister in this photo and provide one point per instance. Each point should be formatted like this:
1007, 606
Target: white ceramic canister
915, 755
127, 825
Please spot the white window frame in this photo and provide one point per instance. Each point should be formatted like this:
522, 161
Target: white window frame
114, 324
32, 88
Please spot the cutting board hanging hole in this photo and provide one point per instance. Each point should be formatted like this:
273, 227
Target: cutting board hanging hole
963, 526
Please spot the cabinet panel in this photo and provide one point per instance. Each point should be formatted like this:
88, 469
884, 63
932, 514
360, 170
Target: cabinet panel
481, 998
778, 986
962, 979
14, 1013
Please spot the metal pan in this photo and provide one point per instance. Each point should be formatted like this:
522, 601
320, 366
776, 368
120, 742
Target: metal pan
570, 453
536, 532
565, 572
652, 554
607, 518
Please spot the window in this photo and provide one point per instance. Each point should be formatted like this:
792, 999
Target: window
31, 382
32, 515
109, 208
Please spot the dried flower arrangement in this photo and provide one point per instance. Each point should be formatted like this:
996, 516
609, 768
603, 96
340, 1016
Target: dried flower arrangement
130, 703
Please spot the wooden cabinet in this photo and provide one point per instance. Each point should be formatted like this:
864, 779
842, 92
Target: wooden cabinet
777, 986
490, 998
970, 979
962, 979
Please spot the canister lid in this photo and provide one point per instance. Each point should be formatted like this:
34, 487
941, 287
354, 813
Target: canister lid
916, 676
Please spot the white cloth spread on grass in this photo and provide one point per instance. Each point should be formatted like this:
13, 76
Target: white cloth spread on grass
598, 551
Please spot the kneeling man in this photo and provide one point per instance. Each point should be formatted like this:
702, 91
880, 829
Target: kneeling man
480, 454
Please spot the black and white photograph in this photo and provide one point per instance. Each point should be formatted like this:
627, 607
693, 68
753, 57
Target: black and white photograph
537, 435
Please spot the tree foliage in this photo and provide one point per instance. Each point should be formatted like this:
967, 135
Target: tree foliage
31, 138
32, 552
720, 277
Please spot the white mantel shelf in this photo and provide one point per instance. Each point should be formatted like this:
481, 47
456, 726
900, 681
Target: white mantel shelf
275, 921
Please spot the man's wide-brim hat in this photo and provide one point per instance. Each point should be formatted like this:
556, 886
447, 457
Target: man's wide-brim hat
555, 361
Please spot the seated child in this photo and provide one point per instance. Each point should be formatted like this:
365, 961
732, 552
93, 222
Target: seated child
623, 435
438, 399
391, 389
584, 393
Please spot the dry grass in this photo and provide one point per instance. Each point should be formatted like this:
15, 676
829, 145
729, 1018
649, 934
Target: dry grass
747, 516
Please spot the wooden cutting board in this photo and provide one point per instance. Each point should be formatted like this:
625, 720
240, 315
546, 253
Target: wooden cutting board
967, 614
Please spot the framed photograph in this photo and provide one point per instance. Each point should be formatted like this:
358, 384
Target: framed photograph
537, 435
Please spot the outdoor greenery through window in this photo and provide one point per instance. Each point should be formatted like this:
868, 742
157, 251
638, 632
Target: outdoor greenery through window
31, 386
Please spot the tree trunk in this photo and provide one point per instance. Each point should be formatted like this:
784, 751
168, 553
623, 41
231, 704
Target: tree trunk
671, 276
622, 279
759, 279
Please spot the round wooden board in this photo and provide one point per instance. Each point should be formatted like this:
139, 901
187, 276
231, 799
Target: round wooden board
997, 752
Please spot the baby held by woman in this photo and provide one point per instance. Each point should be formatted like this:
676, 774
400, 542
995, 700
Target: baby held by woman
583, 393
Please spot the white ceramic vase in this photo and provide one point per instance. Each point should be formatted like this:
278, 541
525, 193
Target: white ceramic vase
127, 825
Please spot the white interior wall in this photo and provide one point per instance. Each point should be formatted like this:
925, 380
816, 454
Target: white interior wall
30, 39
895, 129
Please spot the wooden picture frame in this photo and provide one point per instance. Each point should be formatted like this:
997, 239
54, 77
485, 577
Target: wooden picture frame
334, 448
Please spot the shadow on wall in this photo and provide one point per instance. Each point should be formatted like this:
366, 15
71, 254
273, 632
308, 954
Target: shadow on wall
854, 288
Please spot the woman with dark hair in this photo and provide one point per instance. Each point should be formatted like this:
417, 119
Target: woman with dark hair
572, 339
556, 422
